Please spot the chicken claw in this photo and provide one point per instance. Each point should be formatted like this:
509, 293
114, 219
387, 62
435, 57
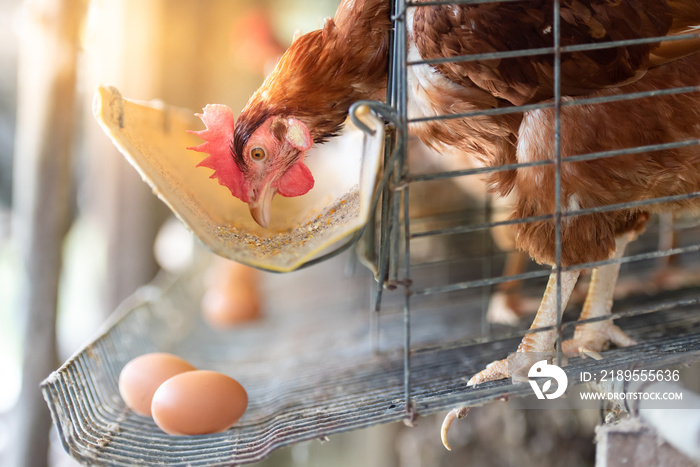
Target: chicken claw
493, 371
459, 412
590, 353
590, 339
534, 346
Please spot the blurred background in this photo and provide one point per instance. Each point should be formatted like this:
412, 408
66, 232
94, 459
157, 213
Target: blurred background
78, 225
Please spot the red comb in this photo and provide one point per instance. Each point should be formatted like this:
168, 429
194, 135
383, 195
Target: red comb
217, 136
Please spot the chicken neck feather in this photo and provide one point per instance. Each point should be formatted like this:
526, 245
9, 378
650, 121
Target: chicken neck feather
324, 72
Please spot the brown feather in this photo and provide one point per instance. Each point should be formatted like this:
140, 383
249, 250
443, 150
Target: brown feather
324, 72
447, 31
327, 70
621, 179
505, 139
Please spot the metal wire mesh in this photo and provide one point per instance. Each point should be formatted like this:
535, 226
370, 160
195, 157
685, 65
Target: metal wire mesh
309, 371
389, 271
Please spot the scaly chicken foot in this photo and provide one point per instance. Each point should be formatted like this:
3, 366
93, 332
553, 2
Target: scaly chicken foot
591, 338
533, 345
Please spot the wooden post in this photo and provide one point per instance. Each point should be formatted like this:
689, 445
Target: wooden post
633, 442
173, 50
121, 49
42, 199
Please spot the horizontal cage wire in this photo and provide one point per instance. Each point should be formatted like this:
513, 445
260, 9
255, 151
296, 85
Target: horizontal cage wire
414, 229
438, 264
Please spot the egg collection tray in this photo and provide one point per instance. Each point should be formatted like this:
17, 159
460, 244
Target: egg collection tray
309, 367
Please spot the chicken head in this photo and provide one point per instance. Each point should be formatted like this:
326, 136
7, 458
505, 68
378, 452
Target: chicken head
271, 161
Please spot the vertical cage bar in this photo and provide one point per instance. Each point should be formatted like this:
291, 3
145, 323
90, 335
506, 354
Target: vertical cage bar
407, 303
382, 257
385, 225
384, 222
398, 88
487, 265
557, 167
384, 235
401, 87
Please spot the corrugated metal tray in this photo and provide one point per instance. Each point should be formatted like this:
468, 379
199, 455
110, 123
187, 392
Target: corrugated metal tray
308, 367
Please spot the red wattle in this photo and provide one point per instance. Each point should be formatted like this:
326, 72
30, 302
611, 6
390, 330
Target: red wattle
296, 182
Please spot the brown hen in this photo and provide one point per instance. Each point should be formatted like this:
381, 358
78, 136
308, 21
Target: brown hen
306, 99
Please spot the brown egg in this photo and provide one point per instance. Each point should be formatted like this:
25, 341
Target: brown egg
232, 304
140, 378
198, 402
223, 271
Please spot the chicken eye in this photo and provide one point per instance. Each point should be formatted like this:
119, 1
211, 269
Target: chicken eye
257, 154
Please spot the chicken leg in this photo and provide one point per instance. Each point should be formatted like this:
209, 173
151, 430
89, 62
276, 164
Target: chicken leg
539, 342
591, 338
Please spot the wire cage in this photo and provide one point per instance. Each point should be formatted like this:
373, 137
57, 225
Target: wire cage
309, 369
396, 266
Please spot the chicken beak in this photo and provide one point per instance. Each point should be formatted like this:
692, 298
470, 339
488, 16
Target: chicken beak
261, 205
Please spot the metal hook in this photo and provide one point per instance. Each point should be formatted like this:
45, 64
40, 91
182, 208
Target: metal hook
381, 109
